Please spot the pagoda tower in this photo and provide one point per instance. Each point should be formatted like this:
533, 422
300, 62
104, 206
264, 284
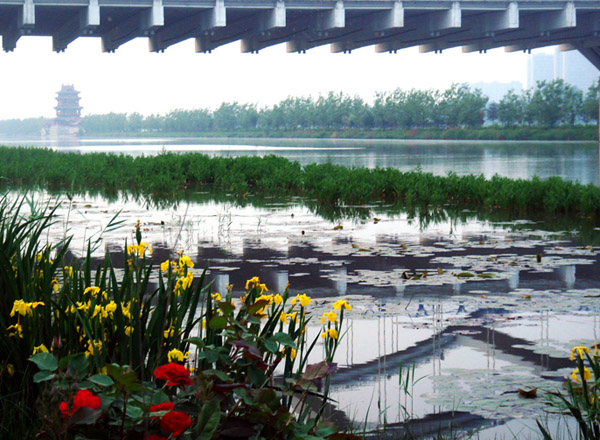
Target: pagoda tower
68, 110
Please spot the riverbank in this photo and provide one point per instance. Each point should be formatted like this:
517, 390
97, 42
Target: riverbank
167, 175
491, 133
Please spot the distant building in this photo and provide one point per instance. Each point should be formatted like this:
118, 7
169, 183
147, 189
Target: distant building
496, 90
570, 66
575, 69
540, 67
68, 114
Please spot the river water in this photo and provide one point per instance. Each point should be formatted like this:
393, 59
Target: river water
478, 307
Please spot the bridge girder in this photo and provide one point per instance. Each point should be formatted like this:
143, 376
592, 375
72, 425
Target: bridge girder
389, 25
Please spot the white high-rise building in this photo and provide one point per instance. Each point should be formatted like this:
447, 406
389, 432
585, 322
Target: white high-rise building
570, 66
540, 67
575, 69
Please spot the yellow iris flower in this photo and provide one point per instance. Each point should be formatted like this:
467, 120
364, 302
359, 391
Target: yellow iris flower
303, 299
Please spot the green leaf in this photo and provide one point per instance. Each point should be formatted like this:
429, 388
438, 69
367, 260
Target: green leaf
226, 307
325, 428
134, 412
42, 376
257, 377
79, 365
85, 416
121, 375
218, 322
254, 320
45, 361
271, 345
284, 339
159, 397
257, 306
221, 375
208, 420
101, 379
195, 341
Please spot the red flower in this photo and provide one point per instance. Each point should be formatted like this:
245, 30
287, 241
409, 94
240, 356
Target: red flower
85, 398
64, 409
166, 406
154, 437
175, 422
174, 374
82, 398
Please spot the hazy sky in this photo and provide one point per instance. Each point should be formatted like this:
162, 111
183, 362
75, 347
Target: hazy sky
135, 80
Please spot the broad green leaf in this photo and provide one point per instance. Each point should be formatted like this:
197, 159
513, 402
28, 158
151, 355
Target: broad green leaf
284, 339
79, 365
221, 375
45, 361
101, 379
195, 341
159, 397
257, 306
134, 412
85, 416
218, 322
271, 345
226, 307
42, 376
208, 420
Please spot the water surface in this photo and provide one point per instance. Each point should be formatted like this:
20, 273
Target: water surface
473, 340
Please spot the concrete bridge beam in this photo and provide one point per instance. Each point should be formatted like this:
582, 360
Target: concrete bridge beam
541, 31
142, 24
319, 28
431, 26
245, 28
377, 25
82, 24
22, 24
192, 26
478, 27
268, 22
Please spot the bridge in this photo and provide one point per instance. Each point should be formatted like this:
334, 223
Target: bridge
474, 25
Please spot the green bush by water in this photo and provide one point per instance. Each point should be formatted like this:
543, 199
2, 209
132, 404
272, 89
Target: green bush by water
169, 175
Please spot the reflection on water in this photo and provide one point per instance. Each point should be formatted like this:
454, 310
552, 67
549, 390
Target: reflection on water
576, 161
469, 304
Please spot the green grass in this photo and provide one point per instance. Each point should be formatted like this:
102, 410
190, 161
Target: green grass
168, 176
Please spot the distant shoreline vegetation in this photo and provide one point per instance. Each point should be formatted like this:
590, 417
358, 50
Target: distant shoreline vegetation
554, 110
169, 175
490, 133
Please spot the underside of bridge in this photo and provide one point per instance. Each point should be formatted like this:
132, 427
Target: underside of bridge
474, 25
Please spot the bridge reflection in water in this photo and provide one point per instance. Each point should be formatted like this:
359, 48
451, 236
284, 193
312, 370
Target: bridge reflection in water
459, 359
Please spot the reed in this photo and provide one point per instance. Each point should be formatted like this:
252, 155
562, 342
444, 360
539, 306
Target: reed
168, 175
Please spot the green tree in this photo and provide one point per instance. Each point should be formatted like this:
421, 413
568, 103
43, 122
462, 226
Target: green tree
590, 103
510, 109
555, 101
492, 112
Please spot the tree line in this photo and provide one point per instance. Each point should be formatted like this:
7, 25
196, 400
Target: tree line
550, 104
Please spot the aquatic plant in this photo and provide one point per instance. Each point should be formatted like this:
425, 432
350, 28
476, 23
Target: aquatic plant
174, 174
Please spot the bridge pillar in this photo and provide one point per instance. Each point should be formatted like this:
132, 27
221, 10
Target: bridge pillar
83, 24
144, 23
22, 24
192, 26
